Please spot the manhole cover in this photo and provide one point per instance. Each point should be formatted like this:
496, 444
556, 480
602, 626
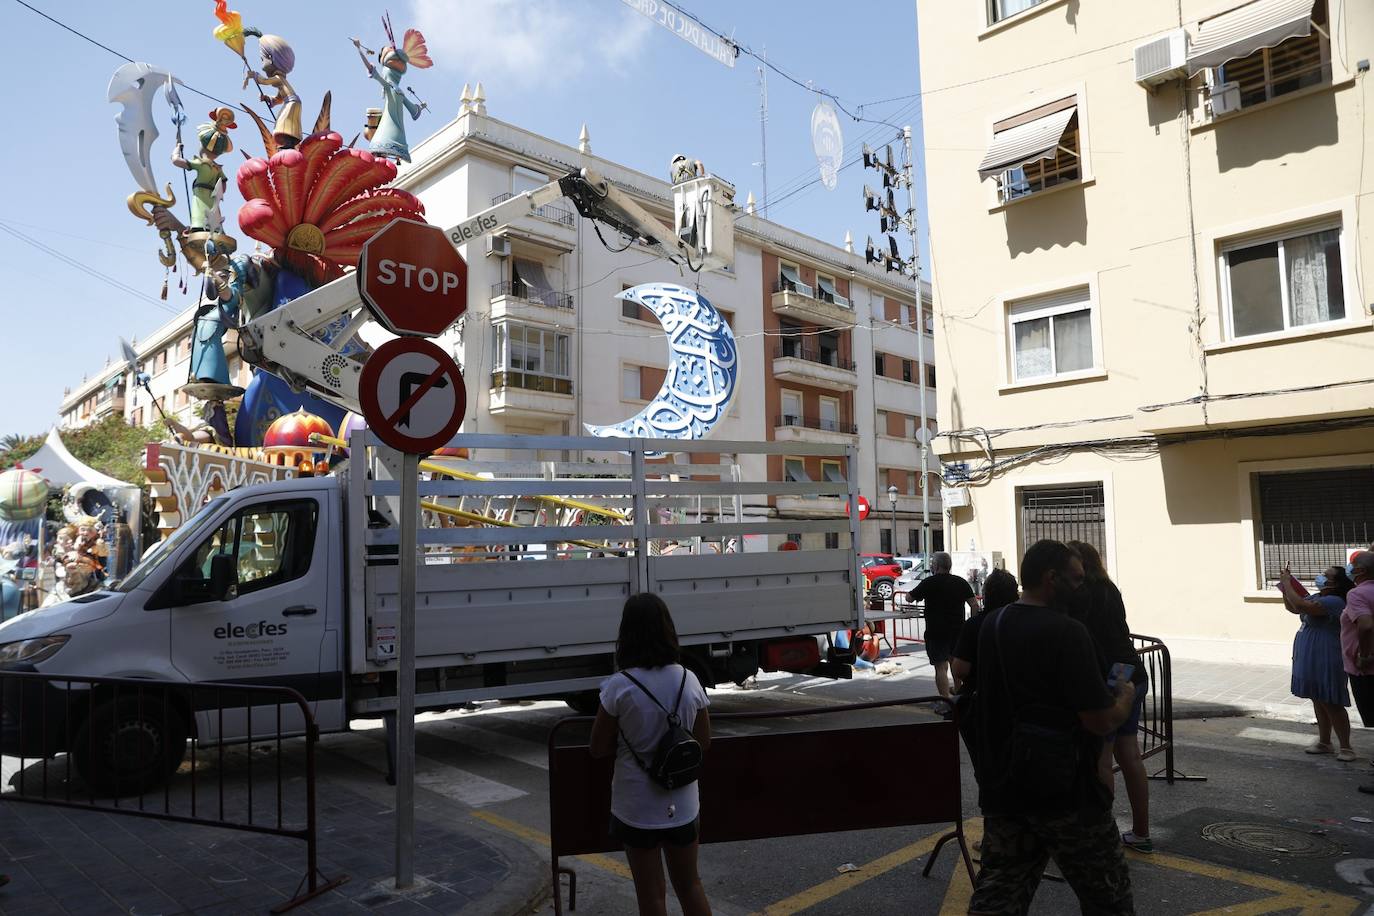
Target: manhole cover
1270, 840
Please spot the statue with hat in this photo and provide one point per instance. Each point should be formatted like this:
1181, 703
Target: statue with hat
207, 188
389, 138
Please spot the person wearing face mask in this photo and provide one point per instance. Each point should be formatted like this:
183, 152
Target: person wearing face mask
1318, 674
1043, 711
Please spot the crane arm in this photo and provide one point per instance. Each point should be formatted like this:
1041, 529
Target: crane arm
283, 341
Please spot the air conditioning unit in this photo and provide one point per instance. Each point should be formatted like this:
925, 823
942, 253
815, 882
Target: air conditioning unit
498, 245
1162, 59
1224, 98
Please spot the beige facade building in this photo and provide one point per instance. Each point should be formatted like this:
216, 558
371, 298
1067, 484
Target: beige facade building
1150, 249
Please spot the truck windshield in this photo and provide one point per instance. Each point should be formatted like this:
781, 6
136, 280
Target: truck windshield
163, 549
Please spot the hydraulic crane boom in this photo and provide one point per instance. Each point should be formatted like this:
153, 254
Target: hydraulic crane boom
283, 340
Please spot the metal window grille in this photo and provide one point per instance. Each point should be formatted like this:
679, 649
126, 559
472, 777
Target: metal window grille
885, 541
1313, 519
1076, 513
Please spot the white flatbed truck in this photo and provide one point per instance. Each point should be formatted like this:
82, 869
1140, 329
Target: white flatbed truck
294, 583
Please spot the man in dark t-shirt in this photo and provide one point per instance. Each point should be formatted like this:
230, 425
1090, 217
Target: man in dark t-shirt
945, 596
1036, 664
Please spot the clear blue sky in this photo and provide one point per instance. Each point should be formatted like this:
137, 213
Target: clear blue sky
546, 65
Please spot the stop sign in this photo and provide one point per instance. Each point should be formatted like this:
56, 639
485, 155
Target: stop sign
414, 280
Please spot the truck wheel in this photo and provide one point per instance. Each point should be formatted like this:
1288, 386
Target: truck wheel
584, 703
123, 750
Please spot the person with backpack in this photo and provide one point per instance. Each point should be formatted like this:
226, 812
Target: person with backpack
653, 719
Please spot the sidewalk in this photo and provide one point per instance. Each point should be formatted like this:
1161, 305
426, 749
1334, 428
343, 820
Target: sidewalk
1211, 690
84, 863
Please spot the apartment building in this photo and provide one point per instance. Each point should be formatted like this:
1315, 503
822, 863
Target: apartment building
1152, 323
827, 344
165, 356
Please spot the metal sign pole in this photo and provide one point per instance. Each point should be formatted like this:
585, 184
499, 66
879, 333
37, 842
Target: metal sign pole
405, 674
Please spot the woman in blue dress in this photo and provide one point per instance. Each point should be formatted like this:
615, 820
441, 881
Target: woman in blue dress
1318, 674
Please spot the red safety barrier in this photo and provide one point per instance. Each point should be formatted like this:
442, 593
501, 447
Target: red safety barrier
752, 786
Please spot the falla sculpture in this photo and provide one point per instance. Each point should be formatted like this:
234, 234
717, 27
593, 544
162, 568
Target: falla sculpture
310, 202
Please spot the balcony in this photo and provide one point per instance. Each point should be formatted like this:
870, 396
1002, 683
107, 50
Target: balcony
525, 394
797, 300
518, 300
796, 364
793, 428
550, 212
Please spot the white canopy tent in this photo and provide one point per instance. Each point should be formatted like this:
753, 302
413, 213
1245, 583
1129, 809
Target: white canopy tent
59, 467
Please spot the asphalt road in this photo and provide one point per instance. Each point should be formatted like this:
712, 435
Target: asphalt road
1301, 838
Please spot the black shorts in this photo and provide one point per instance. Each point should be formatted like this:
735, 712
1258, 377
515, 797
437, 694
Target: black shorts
940, 646
645, 838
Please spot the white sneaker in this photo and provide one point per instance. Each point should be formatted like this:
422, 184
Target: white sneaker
1345, 755
1317, 747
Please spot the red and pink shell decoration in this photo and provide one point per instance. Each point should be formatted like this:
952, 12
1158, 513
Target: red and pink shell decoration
318, 203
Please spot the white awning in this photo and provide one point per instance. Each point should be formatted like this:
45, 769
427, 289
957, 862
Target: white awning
1246, 29
825, 285
790, 273
1025, 143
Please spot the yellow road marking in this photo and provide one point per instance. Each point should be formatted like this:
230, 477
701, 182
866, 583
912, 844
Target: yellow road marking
960, 890
1306, 900
841, 883
605, 863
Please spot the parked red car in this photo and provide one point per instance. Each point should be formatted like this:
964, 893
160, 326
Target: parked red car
880, 571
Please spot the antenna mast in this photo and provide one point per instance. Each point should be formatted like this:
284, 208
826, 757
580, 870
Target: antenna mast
763, 131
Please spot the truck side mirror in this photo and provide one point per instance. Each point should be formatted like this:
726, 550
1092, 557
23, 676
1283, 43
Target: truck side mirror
223, 577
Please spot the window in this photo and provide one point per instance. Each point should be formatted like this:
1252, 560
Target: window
794, 470
1035, 150
1313, 519
271, 544
790, 279
828, 347
1001, 9
832, 540
790, 336
161, 361
878, 364
527, 356
1298, 62
791, 408
1072, 513
530, 281
832, 472
1050, 336
930, 376
629, 383
523, 179
826, 292
1283, 283
794, 539
830, 414
913, 541
885, 541
628, 307
908, 371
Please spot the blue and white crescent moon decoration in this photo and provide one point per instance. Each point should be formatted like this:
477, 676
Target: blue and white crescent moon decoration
701, 373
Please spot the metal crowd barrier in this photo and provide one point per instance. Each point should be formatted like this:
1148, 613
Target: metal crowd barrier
1156, 732
751, 784
119, 746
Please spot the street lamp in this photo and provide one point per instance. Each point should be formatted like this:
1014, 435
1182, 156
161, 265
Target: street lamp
892, 502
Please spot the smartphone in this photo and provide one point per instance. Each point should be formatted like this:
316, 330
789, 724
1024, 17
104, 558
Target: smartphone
1120, 672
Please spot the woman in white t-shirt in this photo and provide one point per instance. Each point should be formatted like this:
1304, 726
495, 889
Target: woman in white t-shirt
644, 816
